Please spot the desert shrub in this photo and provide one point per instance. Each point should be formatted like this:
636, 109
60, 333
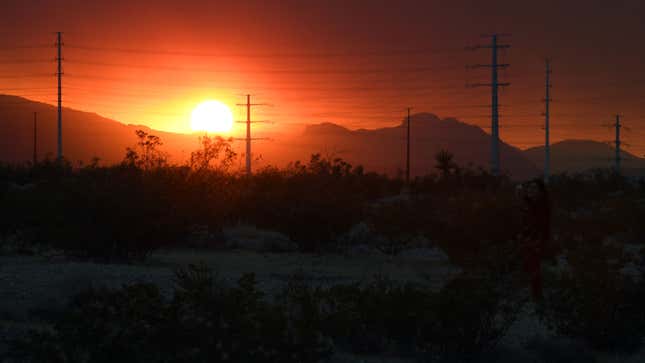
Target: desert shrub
471, 214
376, 318
120, 214
101, 325
125, 212
470, 224
595, 302
146, 154
204, 322
466, 319
312, 203
215, 153
573, 189
401, 222
559, 350
207, 320
117, 213
237, 324
470, 316
303, 305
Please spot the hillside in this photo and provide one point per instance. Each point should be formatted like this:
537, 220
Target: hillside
88, 135
85, 135
580, 155
384, 149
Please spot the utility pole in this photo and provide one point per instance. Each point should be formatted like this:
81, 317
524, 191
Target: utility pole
35, 159
494, 85
248, 123
248, 134
618, 126
547, 142
59, 73
407, 160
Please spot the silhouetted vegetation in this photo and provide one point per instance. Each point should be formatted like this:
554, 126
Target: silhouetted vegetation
208, 320
146, 154
128, 211
216, 153
596, 302
205, 321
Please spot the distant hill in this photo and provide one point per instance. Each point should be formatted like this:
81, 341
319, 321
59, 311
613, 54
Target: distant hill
384, 149
88, 135
85, 135
580, 155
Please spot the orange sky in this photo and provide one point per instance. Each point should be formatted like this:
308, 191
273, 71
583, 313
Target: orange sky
336, 61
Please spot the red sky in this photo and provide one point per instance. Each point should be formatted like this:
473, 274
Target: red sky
356, 63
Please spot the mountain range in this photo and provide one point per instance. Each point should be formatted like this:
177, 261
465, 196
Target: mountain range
88, 135
85, 135
384, 149
578, 155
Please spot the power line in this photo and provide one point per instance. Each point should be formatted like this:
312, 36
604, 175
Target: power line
421, 89
149, 92
27, 89
269, 71
34, 75
24, 61
388, 53
17, 47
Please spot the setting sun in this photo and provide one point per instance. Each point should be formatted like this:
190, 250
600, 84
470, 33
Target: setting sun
212, 116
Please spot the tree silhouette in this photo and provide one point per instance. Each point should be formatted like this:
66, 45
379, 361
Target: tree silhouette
216, 153
445, 163
145, 155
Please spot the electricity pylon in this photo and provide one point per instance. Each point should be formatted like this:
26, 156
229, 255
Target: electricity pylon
617, 142
547, 126
35, 156
59, 74
248, 137
407, 159
494, 86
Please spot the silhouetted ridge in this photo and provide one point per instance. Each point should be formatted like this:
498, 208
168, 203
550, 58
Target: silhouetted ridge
382, 149
88, 135
325, 128
85, 134
423, 117
581, 155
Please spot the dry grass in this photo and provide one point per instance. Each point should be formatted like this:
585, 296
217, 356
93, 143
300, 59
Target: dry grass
28, 283
323, 268
33, 282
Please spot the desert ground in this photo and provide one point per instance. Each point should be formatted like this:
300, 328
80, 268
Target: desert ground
32, 283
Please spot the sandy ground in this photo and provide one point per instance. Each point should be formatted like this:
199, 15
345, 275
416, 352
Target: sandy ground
28, 283
32, 282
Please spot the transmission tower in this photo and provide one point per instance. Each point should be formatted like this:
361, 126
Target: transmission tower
59, 73
407, 159
617, 126
35, 156
494, 85
248, 123
547, 126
